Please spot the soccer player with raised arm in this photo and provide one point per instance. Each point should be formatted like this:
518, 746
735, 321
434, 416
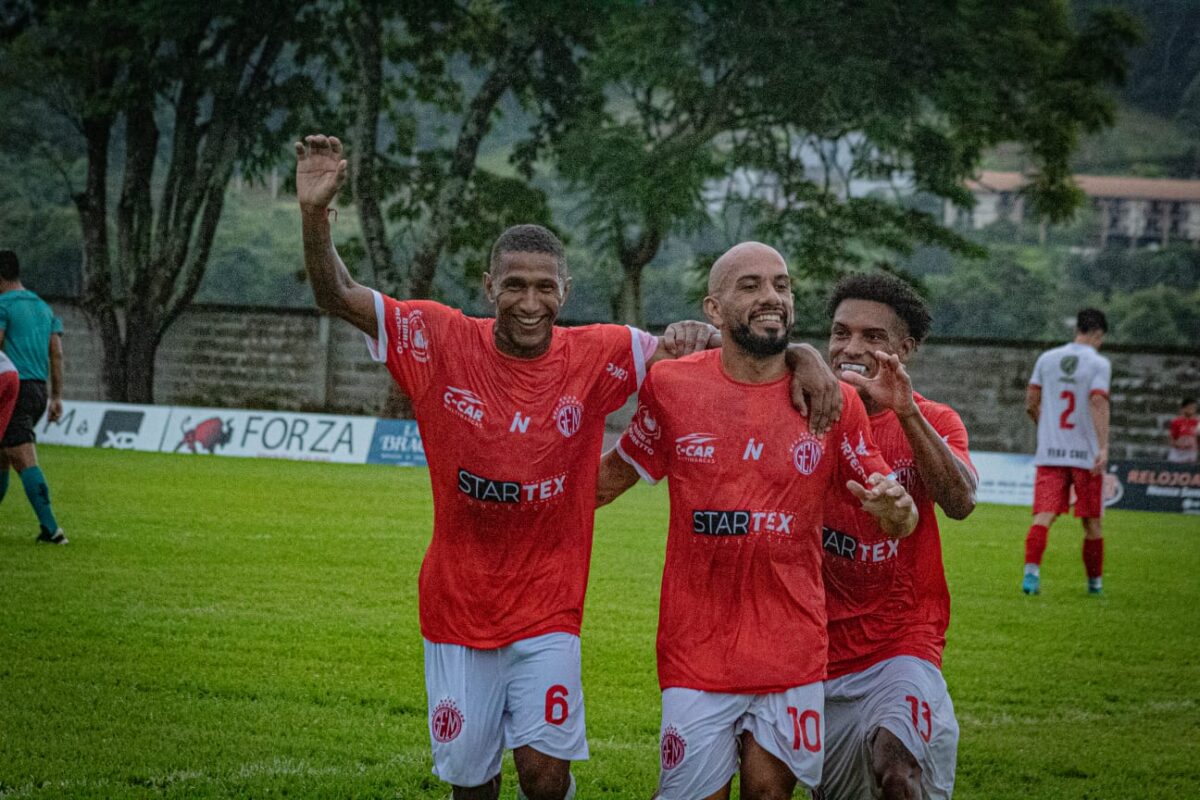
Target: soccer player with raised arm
1067, 399
511, 410
741, 631
890, 726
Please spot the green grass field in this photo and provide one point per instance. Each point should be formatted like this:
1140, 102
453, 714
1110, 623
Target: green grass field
224, 627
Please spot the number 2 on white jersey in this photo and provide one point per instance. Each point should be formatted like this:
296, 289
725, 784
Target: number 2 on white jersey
1064, 420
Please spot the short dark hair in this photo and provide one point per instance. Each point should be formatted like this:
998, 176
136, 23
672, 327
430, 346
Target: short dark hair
10, 267
1187, 401
881, 287
529, 239
1091, 319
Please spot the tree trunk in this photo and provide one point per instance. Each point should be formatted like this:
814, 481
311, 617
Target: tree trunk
627, 306
141, 346
367, 35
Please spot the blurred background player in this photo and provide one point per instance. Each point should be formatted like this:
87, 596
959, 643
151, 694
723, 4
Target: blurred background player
1067, 399
741, 631
31, 336
1183, 434
890, 725
10, 386
512, 412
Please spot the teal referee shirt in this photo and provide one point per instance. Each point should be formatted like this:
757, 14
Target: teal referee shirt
28, 322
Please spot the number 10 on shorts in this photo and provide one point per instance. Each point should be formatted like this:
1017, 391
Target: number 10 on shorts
806, 729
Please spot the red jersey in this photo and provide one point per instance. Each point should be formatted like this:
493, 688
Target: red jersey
513, 447
888, 597
743, 608
1184, 428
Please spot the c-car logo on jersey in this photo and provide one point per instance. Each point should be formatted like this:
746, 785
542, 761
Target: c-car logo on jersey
465, 404
697, 448
806, 454
411, 335
568, 415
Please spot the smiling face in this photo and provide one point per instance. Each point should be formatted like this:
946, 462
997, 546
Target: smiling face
861, 327
750, 299
528, 293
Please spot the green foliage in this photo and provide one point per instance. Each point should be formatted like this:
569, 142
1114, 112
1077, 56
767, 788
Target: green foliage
1160, 315
1002, 296
223, 627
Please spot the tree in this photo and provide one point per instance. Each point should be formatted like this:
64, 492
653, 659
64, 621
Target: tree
169, 98
817, 116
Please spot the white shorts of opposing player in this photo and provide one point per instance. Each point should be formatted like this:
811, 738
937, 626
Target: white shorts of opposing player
700, 730
908, 697
482, 702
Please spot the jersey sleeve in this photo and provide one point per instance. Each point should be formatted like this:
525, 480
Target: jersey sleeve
411, 336
624, 352
642, 445
1036, 378
858, 455
1101, 378
948, 425
56, 325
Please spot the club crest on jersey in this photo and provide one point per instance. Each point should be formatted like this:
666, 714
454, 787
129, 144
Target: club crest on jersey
697, 448
806, 453
447, 721
1069, 364
906, 473
568, 415
644, 430
673, 748
411, 335
465, 404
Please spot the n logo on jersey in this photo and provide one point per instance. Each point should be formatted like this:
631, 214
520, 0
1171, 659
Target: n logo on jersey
697, 448
520, 423
1069, 364
465, 404
411, 335
753, 450
806, 454
568, 415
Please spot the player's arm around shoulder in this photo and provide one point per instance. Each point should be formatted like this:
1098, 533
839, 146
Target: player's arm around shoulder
320, 173
616, 477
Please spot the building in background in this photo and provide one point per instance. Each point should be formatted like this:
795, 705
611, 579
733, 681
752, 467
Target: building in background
1133, 212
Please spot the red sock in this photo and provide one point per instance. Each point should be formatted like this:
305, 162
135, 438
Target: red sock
1093, 557
1035, 544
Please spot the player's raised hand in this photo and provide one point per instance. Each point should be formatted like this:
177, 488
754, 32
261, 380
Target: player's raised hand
815, 390
891, 387
689, 336
320, 171
889, 502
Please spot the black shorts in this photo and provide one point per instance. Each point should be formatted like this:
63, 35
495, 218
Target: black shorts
31, 404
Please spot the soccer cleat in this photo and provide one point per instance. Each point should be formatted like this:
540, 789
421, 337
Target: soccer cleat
1094, 586
1031, 584
46, 537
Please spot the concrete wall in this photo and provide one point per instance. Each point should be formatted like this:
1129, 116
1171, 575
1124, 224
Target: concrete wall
299, 360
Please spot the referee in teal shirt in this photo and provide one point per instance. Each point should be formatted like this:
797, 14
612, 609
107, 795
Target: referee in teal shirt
31, 336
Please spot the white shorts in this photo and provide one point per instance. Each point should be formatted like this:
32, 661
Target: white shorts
700, 730
482, 702
907, 696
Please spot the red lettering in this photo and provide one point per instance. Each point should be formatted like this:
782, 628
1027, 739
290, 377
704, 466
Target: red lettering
801, 724
1063, 421
556, 704
920, 711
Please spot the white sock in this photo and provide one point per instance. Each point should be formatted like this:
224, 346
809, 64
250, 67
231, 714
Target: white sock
1033, 569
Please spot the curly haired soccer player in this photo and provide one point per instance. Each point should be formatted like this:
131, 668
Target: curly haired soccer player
890, 725
741, 631
512, 413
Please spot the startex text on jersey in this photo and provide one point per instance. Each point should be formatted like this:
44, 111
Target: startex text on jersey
496, 491
738, 523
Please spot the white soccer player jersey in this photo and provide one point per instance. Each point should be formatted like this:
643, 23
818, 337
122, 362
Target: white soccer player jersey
1069, 376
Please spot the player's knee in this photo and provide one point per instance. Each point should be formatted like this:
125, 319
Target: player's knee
899, 779
544, 783
764, 791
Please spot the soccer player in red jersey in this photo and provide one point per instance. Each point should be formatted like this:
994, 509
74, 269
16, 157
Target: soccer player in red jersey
890, 724
1183, 434
512, 413
741, 632
10, 386
1067, 398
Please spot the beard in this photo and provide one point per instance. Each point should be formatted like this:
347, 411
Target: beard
761, 346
